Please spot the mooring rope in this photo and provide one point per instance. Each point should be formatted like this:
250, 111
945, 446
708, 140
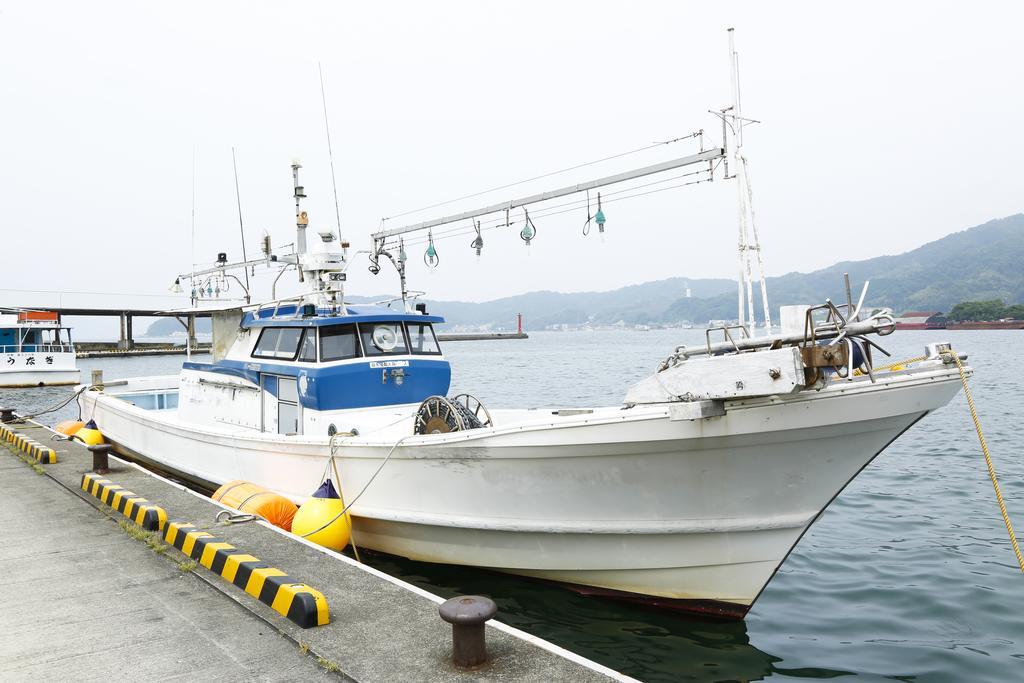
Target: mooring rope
57, 406
890, 366
348, 518
988, 461
363, 490
900, 364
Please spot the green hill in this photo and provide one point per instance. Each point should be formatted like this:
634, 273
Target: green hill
978, 264
634, 304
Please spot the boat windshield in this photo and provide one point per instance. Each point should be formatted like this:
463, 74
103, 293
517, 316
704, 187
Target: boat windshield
278, 342
338, 342
383, 339
345, 342
422, 339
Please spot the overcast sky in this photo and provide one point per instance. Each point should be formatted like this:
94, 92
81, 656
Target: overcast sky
885, 125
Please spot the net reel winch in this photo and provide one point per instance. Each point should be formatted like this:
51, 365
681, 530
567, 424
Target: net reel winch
440, 415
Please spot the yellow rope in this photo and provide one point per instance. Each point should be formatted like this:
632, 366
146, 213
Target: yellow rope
898, 365
891, 366
988, 461
348, 518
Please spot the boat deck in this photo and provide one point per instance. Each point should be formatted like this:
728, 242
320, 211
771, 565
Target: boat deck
380, 425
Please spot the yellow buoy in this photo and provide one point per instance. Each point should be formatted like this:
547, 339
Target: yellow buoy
69, 427
89, 434
319, 519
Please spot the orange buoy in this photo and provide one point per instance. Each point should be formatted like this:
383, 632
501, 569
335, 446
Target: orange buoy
69, 427
253, 499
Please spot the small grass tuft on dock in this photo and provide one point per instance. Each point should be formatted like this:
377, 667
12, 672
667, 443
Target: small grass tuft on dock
327, 665
36, 467
150, 538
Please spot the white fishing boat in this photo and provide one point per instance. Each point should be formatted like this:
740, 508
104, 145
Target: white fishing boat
688, 490
35, 350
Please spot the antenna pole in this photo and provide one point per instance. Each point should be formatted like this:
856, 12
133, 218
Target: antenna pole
241, 227
743, 289
330, 155
757, 249
749, 240
301, 218
192, 280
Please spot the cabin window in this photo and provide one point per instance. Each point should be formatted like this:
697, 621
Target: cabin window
338, 342
422, 339
307, 351
288, 413
281, 343
383, 339
287, 390
287, 418
282, 412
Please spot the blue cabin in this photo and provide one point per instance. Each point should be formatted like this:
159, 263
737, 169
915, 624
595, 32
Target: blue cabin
317, 360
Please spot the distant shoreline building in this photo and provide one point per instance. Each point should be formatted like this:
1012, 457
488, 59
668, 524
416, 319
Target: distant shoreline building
921, 320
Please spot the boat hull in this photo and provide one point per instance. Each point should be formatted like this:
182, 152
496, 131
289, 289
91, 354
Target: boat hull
42, 377
630, 503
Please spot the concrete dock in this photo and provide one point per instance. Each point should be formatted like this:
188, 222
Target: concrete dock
83, 600
114, 349
89, 594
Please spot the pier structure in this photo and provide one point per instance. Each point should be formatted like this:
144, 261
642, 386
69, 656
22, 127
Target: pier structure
127, 346
126, 338
125, 573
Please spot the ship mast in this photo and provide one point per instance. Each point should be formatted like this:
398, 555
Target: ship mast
749, 244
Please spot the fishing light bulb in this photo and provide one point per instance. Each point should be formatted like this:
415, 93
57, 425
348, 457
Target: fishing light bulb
478, 245
431, 255
176, 287
600, 220
528, 233
401, 254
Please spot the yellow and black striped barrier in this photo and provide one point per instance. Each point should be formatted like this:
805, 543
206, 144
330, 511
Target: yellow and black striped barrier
132, 506
305, 606
40, 453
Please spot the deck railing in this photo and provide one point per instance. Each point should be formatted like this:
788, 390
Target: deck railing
38, 348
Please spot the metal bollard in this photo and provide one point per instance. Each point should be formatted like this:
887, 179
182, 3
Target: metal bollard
7, 415
467, 615
100, 464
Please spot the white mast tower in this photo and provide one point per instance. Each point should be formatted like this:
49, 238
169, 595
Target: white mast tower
749, 246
